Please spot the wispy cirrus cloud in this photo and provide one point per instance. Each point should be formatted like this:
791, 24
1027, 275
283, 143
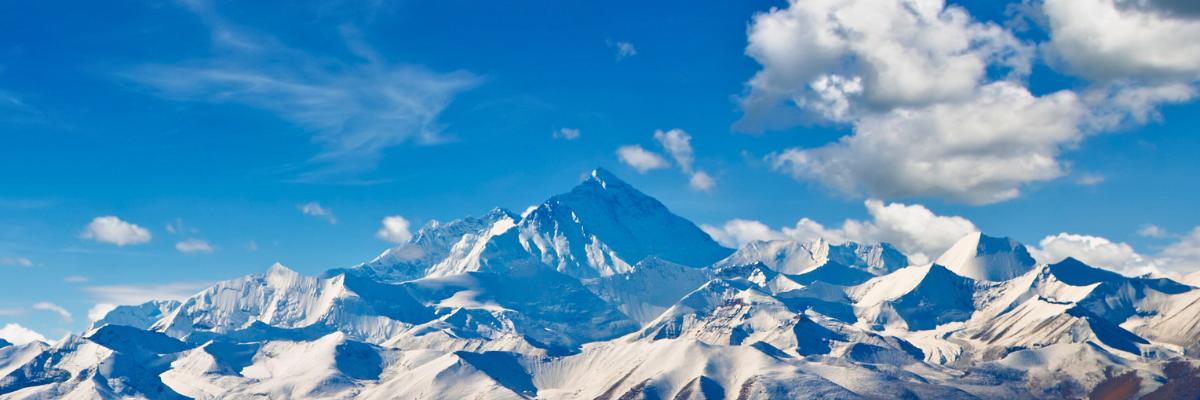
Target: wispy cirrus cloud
54, 308
354, 107
191, 246
108, 297
10, 261
138, 294
315, 209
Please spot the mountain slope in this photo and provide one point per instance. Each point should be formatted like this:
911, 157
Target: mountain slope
604, 226
603, 293
985, 258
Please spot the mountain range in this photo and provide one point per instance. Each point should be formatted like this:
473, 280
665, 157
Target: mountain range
603, 293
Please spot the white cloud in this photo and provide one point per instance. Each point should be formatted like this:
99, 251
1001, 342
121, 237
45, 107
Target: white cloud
737, 232
702, 181
935, 101
977, 151
1138, 55
356, 107
1112, 40
1095, 251
138, 294
18, 335
912, 80
99, 311
16, 261
252, 245
624, 49
641, 159
1183, 256
838, 58
1090, 179
1123, 104
110, 229
177, 226
395, 229
54, 308
1179, 258
193, 246
914, 229
566, 133
678, 144
1153, 231
75, 279
314, 209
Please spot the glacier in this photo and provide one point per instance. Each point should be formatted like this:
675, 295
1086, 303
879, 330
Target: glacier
603, 293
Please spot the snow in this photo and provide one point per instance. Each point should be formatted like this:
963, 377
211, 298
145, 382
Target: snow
602, 292
793, 257
985, 258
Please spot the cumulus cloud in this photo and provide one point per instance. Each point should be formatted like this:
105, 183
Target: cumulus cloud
356, 107
737, 232
1095, 251
112, 230
566, 133
838, 58
1178, 258
1124, 104
18, 335
1112, 40
977, 151
678, 144
316, 210
16, 262
702, 181
395, 229
99, 311
641, 159
912, 228
193, 246
54, 308
935, 100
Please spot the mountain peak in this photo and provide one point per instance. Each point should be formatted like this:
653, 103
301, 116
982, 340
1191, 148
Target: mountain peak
604, 178
605, 225
987, 258
278, 273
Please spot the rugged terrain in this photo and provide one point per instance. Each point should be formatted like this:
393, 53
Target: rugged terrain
603, 293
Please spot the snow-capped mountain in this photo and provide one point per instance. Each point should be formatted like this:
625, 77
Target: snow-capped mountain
792, 257
603, 293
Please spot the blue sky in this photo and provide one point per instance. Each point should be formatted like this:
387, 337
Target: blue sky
213, 124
